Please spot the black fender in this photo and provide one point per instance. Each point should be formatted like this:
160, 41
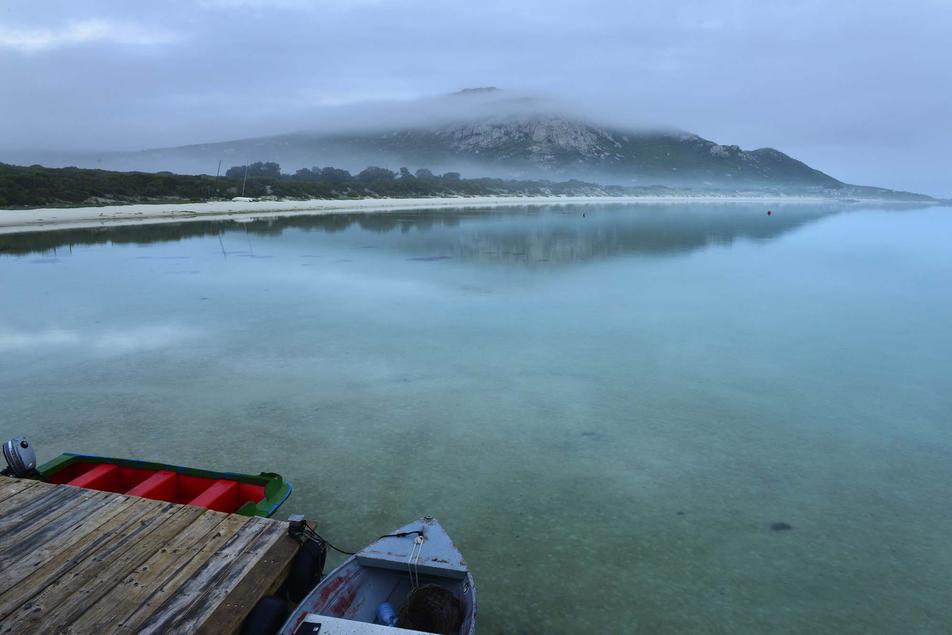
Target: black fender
306, 569
267, 616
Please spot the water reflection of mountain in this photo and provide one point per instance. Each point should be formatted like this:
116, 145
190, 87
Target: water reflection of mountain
531, 235
564, 235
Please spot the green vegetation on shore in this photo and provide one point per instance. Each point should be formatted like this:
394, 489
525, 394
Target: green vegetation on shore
38, 186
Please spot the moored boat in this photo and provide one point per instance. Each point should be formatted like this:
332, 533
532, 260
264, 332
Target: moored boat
245, 494
414, 579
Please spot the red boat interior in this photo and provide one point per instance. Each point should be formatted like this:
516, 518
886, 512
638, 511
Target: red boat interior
221, 495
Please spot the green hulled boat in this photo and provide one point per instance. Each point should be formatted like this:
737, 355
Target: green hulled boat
232, 492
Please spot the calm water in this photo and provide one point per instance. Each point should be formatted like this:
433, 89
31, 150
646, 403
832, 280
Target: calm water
608, 407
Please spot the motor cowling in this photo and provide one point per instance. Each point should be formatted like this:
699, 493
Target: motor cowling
20, 458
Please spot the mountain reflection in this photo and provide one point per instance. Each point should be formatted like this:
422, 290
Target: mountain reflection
538, 236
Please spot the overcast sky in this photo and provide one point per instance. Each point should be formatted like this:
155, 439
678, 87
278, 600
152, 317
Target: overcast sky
859, 89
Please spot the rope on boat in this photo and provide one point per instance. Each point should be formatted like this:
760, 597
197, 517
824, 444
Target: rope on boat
403, 534
310, 532
414, 559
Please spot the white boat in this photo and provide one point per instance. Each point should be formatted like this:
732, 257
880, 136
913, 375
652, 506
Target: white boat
413, 579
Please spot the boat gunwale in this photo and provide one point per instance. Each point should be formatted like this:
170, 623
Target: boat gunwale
276, 488
467, 583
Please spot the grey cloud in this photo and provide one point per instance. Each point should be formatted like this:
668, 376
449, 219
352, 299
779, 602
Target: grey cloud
859, 89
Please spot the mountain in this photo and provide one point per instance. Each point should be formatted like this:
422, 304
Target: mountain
557, 146
535, 146
487, 132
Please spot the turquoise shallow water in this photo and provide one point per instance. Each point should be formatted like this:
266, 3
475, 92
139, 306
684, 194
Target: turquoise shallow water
607, 407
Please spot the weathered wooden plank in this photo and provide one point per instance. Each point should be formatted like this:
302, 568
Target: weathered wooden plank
70, 511
74, 560
264, 578
24, 557
61, 603
71, 555
202, 593
10, 486
31, 503
123, 599
32, 506
221, 538
107, 541
22, 488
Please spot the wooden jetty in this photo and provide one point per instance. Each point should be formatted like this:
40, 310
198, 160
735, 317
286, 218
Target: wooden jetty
74, 560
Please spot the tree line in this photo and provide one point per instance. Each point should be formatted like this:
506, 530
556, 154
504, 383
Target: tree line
39, 186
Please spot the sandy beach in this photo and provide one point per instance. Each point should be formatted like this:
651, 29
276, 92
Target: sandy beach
31, 220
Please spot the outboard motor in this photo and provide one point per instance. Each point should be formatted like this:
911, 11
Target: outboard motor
21, 459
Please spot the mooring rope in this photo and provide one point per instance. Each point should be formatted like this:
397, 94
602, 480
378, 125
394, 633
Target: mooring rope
413, 561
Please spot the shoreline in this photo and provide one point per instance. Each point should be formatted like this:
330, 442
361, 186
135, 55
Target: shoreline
51, 219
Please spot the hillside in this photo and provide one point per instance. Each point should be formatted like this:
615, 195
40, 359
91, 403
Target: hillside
555, 145
488, 133
533, 147
38, 186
